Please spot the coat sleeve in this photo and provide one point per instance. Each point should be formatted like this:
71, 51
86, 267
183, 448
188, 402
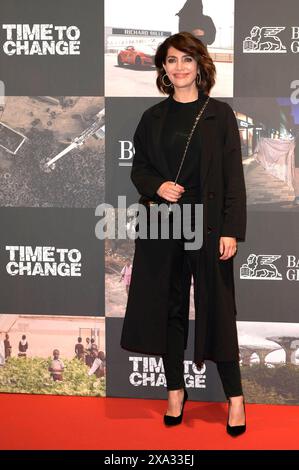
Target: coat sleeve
234, 220
143, 175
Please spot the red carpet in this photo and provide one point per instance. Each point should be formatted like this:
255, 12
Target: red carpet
53, 422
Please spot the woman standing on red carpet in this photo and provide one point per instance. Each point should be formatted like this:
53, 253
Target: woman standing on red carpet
156, 319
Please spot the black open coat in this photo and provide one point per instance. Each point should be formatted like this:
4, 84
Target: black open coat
223, 197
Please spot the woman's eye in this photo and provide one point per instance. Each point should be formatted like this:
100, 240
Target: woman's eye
186, 59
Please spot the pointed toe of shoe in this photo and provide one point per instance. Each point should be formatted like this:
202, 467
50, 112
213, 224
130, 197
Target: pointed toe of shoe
172, 420
235, 430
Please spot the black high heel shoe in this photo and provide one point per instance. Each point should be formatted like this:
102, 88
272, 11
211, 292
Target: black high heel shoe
235, 430
173, 420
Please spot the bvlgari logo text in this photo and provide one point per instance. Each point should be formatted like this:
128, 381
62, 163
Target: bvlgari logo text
41, 39
43, 261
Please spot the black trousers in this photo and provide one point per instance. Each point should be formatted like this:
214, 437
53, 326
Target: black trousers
173, 359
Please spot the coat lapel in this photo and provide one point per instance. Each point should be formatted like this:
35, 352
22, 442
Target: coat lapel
206, 128
159, 114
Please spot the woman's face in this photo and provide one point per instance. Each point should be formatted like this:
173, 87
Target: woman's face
181, 68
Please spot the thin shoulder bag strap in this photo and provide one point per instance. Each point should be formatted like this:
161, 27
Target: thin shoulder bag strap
190, 135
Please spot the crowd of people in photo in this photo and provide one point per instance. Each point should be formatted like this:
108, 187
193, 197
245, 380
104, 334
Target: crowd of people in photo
89, 354
93, 358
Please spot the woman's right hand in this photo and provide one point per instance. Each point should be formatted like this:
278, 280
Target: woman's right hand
170, 191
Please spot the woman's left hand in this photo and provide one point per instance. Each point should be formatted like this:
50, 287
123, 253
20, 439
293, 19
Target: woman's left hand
227, 247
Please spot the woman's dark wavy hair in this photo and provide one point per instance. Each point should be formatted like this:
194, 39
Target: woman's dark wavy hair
186, 42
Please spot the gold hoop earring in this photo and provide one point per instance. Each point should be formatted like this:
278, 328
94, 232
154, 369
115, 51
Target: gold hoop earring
166, 84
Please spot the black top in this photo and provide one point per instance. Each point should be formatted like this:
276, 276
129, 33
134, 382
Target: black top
178, 124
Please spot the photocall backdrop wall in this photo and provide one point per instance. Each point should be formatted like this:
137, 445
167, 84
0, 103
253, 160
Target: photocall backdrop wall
66, 64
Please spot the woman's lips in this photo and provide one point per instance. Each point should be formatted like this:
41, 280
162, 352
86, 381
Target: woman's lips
181, 75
